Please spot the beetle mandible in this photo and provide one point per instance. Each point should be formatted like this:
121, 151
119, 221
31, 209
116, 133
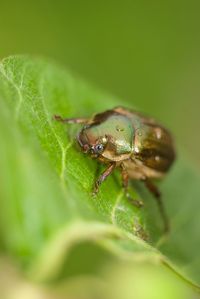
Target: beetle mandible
142, 148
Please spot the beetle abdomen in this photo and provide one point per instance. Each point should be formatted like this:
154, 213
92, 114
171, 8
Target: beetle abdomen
154, 147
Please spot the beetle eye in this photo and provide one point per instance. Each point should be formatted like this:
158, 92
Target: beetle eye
99, 148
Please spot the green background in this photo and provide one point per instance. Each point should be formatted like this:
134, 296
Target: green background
145, 52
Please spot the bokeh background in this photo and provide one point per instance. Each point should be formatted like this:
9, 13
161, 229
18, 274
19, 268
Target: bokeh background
144, 52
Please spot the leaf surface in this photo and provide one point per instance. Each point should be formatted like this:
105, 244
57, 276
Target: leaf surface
46, 182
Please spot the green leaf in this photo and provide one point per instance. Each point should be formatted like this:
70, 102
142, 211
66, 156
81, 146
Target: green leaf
46, 205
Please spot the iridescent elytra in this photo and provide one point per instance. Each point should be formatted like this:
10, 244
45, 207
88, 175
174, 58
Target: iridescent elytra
138, 145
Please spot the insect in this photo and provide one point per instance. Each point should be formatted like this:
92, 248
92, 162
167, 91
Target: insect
138, 145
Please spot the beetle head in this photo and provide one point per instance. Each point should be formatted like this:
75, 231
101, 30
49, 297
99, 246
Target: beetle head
109, 140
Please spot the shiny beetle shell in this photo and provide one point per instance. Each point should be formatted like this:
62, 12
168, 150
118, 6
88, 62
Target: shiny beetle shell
143, 146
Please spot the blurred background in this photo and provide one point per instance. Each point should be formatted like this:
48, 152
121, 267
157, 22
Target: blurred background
144, 52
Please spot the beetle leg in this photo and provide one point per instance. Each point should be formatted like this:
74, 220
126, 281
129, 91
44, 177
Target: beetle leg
125, 181
71, 120
103, 176
157, 195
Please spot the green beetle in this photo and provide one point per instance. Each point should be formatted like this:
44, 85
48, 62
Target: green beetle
138, 145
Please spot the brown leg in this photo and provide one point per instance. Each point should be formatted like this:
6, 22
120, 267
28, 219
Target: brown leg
103, 176
71, 120
125, 181
157, 195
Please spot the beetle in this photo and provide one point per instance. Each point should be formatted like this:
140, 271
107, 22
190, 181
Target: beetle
142, 148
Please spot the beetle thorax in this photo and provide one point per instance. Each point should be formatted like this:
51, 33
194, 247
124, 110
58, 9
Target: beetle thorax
111, 139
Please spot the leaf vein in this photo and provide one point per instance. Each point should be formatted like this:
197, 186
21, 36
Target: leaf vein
18, 89
113, 212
